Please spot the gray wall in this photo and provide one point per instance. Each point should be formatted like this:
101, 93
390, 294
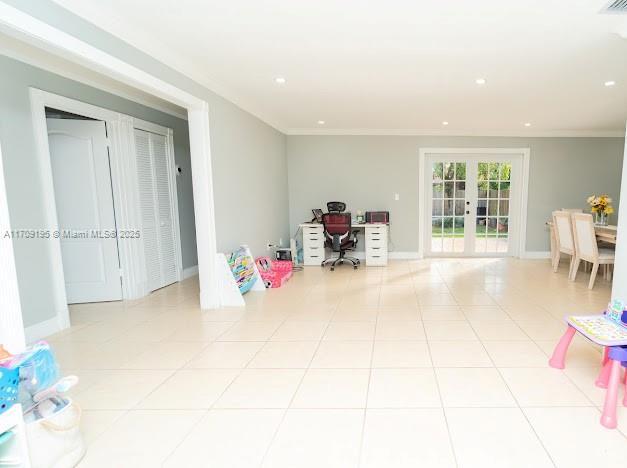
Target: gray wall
24, 188
248, 158
366, 172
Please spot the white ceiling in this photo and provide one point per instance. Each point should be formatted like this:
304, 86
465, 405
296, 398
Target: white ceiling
392, 66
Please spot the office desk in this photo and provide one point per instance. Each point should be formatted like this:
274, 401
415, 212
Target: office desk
375, 235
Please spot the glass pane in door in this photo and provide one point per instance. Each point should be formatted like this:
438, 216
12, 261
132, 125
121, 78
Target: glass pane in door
448, 205
492, 215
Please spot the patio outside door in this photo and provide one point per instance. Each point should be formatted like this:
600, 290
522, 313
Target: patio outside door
472, 204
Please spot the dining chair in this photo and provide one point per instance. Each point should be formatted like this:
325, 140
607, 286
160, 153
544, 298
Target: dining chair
563, 239
572, 210
586, 247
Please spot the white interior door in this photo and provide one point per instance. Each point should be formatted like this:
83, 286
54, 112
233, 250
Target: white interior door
158, 226
472, 204
82, 187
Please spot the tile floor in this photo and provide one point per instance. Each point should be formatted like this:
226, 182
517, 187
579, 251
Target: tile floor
422, 363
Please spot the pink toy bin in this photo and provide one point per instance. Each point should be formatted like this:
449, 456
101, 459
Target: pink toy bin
274, 273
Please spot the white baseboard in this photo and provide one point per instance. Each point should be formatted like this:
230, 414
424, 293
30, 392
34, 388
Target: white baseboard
535, 254
361, 255
190, 271
403, 255
42, 329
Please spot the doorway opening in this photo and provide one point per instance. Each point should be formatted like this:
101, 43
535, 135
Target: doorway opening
473, 202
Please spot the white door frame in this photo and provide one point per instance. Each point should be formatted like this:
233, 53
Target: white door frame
124, 186
424, 216
27, 28
11, 324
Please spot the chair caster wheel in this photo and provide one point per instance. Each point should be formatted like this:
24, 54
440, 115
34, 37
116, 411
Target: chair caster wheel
332, 269
355, 267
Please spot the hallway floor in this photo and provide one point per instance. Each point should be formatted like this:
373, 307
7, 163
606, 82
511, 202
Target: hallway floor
431, 363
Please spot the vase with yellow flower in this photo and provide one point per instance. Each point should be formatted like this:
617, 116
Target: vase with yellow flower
601, 208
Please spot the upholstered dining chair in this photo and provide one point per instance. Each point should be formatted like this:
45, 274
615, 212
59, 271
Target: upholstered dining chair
563, 238
586, 247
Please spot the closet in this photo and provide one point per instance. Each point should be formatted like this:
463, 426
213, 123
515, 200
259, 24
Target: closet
157, 191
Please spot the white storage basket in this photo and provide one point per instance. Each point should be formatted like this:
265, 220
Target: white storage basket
55, 441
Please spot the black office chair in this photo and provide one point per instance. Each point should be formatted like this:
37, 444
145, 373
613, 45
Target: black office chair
339, 237
336, 207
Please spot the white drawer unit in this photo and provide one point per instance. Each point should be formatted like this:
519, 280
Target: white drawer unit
376, 237
313, 244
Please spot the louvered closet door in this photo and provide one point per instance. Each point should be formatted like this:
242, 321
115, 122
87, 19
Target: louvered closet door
156, 209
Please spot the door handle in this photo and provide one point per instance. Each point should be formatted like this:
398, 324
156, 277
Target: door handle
467, 211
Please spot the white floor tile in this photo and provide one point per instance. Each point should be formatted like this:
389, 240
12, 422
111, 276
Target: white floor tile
140, 439
350, 331
317, 438
406, 438
403, 388
190, 389
261, 388
459, 354
473, 387
575, 439
400, 331
449, 331
543, 387
401, 354
333, 388
343, 354
491, 330
250, 331
226, 355
285, 355
516, 353
121, 389
227, 438
171, 355
300, 331
494, 438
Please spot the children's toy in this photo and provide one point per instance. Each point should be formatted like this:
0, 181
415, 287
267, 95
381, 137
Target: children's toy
37, 367
274, 273
609, 330
9, 380
243, 269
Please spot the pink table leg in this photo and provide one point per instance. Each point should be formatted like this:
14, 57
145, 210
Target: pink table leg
604, 375
559, 354
605, 355
608, 418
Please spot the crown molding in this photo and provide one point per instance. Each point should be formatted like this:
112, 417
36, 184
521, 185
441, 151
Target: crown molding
25, 56
458, 133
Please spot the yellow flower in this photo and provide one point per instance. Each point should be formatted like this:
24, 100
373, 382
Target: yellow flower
609, 210
594, 209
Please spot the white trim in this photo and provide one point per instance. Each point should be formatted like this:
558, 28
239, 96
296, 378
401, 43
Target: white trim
151, 127
43, 329
459, 133
521, 229
190, 271
535, 254
11, 325
40, 34
38, 102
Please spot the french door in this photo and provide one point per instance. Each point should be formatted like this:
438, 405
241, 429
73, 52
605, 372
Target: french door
472, 204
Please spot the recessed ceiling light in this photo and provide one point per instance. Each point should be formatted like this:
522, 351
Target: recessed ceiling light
320, 122
610, 83
279, 80
480, 81
527, 124
445, 123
